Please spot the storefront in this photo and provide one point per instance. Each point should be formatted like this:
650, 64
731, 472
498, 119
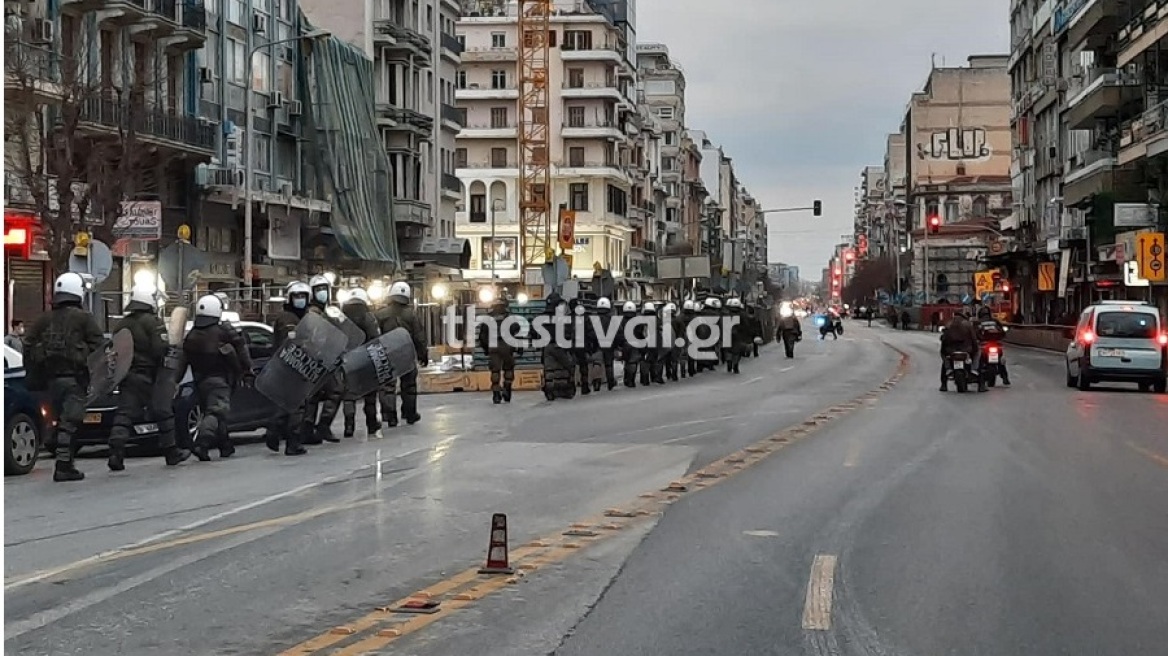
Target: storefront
26, 268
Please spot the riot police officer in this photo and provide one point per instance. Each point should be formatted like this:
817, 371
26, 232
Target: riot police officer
137, 391
356, 308
687, 366
630, 354
739, 335
585, 345
322, 408
651, 352
606, 319
671, 349
56, 360
286, 426
219, 361
398, 313
498, 339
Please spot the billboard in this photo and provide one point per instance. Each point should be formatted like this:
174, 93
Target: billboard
500, 252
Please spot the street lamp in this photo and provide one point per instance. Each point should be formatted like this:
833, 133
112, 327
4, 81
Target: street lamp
249, 129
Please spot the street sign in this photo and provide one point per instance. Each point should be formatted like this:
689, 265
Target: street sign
179, 265
1150, 253
1131, 275
1046, 276
983, 282
97, 262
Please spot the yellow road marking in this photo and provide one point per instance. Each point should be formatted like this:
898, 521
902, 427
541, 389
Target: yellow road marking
552, 549
817, 608
1149, 454
112, 556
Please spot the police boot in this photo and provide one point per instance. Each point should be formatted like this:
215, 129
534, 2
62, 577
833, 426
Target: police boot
944, 381
66, 471
292, 447
585, 389
506, 393
325, 433
226, 449
390, 421
596, 386
272, 440
200, 452
496, 397
350, 426
175, 456
117, 458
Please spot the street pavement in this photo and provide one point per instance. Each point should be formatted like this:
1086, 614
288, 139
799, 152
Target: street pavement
1025, 520
257, 553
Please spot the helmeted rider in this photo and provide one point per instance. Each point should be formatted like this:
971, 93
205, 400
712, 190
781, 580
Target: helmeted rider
286, 426
608, 324
960, 335
356, 309
399, 313
219, 361
989, 329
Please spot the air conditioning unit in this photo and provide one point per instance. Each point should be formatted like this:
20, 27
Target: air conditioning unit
275, 100
259, 23
206, 75
42, 31
295, 108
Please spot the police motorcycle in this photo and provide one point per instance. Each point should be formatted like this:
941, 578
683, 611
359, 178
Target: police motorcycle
959, 368
993, 355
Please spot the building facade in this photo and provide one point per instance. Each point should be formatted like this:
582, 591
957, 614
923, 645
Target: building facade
662, 84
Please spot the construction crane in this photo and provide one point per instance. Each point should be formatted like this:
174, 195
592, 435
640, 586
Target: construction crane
535, 242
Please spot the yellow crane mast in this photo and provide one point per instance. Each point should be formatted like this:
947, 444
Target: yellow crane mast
535, 187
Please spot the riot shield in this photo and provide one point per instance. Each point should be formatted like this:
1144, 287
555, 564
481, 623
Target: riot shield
386, 358
303, 362
166, 384
107, 367
354, 333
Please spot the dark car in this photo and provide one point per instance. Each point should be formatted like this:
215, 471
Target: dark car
25, 418
250, 410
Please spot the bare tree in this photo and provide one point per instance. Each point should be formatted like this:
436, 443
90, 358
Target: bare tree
871, 276
72, 138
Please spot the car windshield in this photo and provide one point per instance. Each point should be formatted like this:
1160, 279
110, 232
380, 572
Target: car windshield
1135, 325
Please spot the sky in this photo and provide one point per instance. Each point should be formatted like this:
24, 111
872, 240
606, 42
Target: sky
803, 93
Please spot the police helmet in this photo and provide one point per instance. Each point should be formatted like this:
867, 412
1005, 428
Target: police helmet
629, 306
649, 308
147, 295
358, 296
400, 292
603, 303
734, 303
69, 284
210, 306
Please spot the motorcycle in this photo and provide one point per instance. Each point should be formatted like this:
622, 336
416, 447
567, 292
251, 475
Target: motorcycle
960, 370
993, 358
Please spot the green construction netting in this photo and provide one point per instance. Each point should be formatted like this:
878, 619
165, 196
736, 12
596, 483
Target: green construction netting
350, 161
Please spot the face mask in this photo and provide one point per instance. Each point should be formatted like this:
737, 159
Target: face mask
322, 295
299, 303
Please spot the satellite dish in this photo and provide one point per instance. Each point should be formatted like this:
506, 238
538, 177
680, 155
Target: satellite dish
98, 263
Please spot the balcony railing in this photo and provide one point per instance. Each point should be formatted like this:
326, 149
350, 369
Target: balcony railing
493, 125
490, 164
390, 27
1152, 123
588, 164
1141, 23
149, 122
1110, 76
611, 84
27, 62
453, 114
489, 54
590, 125
451, 43
569, 46
450, 182
168, 9
194, 15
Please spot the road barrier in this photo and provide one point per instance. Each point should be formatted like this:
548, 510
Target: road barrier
498, 561
1040, 336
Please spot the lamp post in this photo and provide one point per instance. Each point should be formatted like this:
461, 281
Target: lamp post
249, 170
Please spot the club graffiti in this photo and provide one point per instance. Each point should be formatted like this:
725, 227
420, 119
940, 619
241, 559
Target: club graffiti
956, 144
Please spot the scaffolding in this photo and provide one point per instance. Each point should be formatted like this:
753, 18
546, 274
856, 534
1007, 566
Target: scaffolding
533, 128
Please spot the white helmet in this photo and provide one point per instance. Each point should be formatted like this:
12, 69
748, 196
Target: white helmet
687, 306
629, 306
297, 287
603, 303
210, 306
671, 308
402, 290
70, 283
145, 295
735, 303
649, 306
358, 296
319, 280
714, 303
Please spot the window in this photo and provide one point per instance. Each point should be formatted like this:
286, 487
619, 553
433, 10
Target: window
952, 210
617, 201
575, 78
499, 79
539, 194
478, 208
263, 146
498, 39
577, 40
261, 343
460, 79
500, 118
460, 158
1131, 325
578, 196
462, 41
236, 11
932, 208
575, 117
259, 72
665, 112
670, 138
668, 164
576, 156
284, 77
981, 207
235, 61
539, 114
499, 158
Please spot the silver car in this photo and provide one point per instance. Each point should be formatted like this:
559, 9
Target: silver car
1119, 341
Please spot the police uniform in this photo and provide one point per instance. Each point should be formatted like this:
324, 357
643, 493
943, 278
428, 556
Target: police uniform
219, 361
357, 311
398, 314
501, 353
286, 426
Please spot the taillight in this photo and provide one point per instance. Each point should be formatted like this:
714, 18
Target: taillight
993, 349
1163, 339
1087, 337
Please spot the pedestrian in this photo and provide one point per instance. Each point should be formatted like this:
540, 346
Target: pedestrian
935, 320
15, 337
399, 314
57, 351
285, 426
219, 362
356, 308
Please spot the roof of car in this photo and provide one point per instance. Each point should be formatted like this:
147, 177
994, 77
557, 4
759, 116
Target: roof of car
1126, 306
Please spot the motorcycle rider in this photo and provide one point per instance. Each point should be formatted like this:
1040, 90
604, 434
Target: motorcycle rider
500, 349
960, 335
287, 426
789, 329
356, 309
989, 329
56, 358
606, 323
398, 313
136, 393
559, 364
629, 353
219, 361
739, 335
322, 408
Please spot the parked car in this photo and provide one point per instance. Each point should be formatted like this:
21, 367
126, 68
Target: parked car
250, 410
1119, 341
26, 418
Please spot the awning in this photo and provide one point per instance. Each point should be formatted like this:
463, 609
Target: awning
450, 252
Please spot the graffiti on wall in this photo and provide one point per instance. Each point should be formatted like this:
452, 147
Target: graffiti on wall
956, 144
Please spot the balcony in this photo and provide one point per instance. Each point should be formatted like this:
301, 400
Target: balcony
190, 32
605, 90
476, 92
454, 117
608, 52
387, 32
1142, 32
1092, 172
1102, 93
180, 25
450, 182
152, 124
405, 119
490, 55
1146, 136
451, 48
1094, 21
590, 168
480, 167
414, 212
30, 69
592, 130
492, 130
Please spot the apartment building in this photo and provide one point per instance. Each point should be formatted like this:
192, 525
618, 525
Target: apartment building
662, 83
593, 124
870, 226
416, 62
693, 197
131, 62
648, 237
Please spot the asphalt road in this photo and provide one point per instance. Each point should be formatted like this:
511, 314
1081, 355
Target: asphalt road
258, 553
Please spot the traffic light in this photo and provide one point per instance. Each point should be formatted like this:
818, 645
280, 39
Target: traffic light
849, 256
817, 208
934, 224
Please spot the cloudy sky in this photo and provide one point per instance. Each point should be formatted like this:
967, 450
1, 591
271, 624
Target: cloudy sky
802, 93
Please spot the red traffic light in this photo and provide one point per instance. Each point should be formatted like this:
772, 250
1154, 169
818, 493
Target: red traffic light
1006, 287
934, 224
849, 256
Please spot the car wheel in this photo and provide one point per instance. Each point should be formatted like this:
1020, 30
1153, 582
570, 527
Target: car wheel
1145, 387
1084, 382
194, 416
1160, 386
1071, 380
22, 448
